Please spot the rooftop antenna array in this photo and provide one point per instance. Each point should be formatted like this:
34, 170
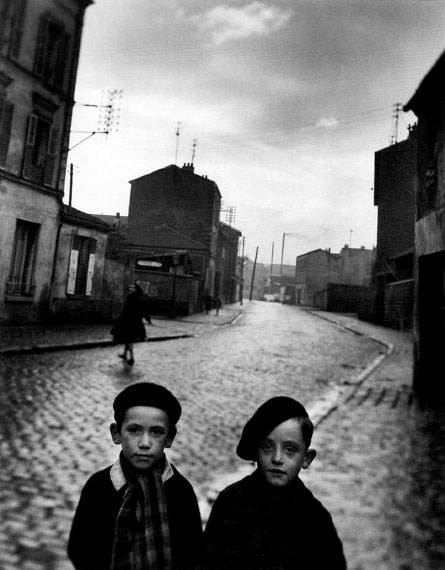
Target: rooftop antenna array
230, 212
109, 111
195, 143
109, 116
178, 132
396, 112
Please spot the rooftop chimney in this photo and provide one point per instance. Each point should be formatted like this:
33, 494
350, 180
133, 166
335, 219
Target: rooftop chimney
189, 167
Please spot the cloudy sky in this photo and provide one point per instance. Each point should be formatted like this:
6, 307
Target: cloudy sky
286, 101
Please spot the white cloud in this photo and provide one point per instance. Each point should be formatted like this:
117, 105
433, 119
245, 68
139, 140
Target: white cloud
327, 122
226, 23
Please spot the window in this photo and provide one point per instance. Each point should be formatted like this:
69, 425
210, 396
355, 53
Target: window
41, 150
12, 15
51, 52
23, 259
6, 110
81, 268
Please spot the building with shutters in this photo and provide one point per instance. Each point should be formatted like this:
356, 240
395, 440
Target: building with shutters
39, 52
78, 292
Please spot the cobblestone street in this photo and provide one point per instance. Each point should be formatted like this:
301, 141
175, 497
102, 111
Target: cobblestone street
380, 460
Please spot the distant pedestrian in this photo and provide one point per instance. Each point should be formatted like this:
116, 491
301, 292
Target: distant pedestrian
130, 326
139, 513
217, 305
269, 520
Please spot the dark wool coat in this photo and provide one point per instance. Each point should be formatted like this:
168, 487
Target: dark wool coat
130, 326
255, 526
92, 533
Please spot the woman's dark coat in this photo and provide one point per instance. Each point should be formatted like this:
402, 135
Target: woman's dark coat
130, 327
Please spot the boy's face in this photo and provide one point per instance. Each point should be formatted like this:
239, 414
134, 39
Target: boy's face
283, 453
143, 436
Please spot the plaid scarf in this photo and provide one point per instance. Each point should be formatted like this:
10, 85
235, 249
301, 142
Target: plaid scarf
142, 536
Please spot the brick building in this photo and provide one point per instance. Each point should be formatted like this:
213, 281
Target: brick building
174, 209
394, 196
39, 52
428, 103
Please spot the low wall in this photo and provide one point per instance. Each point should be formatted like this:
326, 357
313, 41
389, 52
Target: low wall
344, 298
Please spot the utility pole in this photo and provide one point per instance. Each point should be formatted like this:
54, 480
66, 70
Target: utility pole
282, 253
72, 168
70, 200
271, 270
271, 259
253, 274
241, 280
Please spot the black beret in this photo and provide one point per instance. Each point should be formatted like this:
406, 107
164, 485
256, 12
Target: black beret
270, 414
147, 394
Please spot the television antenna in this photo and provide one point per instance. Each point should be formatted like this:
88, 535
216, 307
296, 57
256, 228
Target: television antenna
396, 112
109, 116
194, 145
178, 132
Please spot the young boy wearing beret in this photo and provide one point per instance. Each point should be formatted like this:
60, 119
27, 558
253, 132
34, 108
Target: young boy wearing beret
269, 520
141, 512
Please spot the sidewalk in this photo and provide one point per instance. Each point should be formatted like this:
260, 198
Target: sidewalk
381, 462
31, 338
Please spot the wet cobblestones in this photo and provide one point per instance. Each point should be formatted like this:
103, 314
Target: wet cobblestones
373, 470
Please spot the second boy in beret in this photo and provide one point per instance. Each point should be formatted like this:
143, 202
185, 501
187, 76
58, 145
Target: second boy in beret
139, 513
269, 520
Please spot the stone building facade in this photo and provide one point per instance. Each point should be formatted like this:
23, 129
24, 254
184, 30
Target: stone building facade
39, 52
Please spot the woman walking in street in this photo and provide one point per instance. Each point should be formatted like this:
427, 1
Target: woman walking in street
130, 327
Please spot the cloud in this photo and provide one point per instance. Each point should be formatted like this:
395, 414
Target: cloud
226, 23
327, 122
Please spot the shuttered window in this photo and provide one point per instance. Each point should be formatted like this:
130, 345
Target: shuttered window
16, 27
41, 151
6, 110
23, 259
81, 267
50, 62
